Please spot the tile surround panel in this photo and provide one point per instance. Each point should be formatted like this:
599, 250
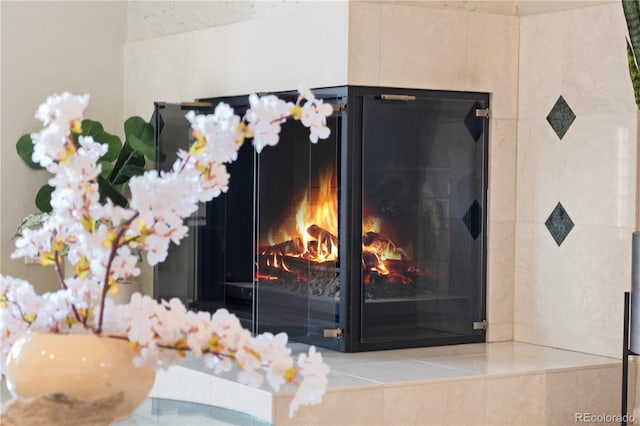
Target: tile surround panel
497, 383
582, 157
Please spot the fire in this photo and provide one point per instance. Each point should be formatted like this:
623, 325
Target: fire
377, 249
315, 237
318, 226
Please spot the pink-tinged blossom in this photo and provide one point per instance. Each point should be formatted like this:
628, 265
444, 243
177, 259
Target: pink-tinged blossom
265, 116
314, 116
49, 144
62, 108
314, 380
221, 131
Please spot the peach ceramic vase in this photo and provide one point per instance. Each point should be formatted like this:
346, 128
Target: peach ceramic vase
85, 367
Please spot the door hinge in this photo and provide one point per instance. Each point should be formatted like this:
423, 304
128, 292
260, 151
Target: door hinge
339, 107
480, 325
483, 112
333, 332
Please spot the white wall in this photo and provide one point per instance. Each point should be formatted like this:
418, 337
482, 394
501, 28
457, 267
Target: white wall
50, 47
308, 45
160, 18
1, 226
571, 296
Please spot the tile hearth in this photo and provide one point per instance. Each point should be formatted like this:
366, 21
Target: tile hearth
490, 383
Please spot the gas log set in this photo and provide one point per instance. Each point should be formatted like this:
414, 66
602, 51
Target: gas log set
309, 261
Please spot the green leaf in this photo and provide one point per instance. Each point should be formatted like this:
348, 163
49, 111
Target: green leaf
24, 147
137, 160
124, 157
634, 73
127, 157
141, 147
631, 9
109, 191
137, 127
107, 168
139, 142
115, 146
127, 172
91, 128
43, 199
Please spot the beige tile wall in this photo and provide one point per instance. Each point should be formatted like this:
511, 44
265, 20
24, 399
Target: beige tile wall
571, 296
544, 398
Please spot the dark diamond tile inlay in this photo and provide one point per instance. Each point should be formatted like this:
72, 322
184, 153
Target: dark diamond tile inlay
559, 224
473, 219
475, 125
561, 117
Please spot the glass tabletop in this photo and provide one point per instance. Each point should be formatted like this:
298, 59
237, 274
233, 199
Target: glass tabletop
158, 411
167, 412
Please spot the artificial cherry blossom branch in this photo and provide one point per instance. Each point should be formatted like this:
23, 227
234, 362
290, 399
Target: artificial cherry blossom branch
99, 238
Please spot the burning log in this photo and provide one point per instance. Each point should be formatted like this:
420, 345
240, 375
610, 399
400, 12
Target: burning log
312, 251
382, 246
369, 260
293, 247
323, 236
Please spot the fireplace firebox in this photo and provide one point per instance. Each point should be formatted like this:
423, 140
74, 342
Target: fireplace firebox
372, 239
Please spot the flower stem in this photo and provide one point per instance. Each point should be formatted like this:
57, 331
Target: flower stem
114, 248
169, 347
63, 284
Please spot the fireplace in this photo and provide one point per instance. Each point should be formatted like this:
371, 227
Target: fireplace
372, 239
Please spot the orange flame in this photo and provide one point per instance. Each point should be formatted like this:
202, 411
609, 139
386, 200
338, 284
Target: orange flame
383, 249
319, 209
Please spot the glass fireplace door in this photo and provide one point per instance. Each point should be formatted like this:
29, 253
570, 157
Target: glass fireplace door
297, 281
423, 215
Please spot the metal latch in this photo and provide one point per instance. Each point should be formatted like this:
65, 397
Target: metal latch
482, 112
195, 105
333, 332
480, 325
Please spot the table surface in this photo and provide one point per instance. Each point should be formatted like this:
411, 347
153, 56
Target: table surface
159, 411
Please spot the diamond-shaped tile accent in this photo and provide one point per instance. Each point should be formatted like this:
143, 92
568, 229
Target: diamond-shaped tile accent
561, 117
559, 224
475, 125
473, 219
